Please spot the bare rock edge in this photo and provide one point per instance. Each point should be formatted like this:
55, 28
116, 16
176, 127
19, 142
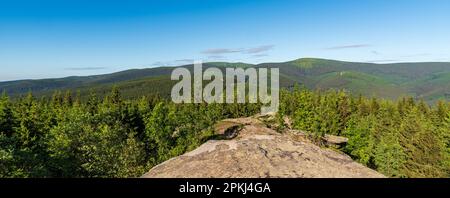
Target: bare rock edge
257, 151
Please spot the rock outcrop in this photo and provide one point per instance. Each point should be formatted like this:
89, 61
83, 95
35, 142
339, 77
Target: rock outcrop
250, 149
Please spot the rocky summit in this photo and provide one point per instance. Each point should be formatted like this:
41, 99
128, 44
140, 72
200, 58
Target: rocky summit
251, 148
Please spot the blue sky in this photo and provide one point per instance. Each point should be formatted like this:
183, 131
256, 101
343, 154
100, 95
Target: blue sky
46, 39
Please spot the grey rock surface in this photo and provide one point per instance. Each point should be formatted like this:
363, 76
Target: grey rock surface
258, 151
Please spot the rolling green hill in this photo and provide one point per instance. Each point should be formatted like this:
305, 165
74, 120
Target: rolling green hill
429, 81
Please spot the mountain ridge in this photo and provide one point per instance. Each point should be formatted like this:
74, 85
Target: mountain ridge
423, 80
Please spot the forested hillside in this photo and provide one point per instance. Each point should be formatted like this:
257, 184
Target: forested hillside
63, 136
103, 137
427, 81
403, 138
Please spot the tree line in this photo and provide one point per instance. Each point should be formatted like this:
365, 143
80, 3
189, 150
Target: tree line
64, 136
403, 138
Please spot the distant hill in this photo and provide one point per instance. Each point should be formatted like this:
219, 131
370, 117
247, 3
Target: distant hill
428, 80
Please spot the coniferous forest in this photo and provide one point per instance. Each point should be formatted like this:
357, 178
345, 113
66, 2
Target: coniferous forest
65, 136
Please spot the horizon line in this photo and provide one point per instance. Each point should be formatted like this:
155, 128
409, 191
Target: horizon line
253, 64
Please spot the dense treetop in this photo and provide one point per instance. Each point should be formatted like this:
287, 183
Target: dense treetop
64, 136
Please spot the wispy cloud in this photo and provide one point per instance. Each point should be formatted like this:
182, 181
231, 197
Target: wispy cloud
260, 55
250, 50
339, 47
84, 68
158, 63
383, 61
221, 51
216, 57
259, 49
185, 60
